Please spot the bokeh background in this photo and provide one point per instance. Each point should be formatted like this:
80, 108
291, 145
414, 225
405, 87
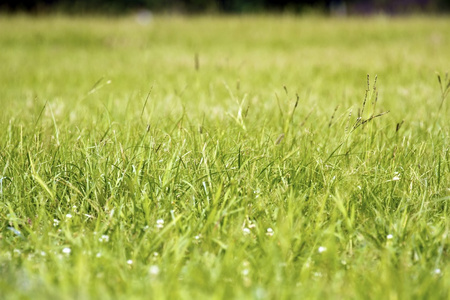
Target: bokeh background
338, 7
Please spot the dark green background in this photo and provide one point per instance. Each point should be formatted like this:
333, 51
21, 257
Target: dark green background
226, 6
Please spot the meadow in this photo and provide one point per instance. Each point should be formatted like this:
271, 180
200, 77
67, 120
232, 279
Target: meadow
224, 157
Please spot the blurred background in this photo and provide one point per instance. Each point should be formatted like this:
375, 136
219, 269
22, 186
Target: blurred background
333, 7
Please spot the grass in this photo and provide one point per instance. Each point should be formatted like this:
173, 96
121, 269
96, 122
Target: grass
224, 157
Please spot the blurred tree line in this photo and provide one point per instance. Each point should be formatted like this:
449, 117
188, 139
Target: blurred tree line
226, 6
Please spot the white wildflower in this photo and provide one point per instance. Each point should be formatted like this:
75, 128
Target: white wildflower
154, 270
269, 231
66, 250
389, 236
130, 262
246, 231
322, 249
396, 176
159, 223
104, 238
68, 216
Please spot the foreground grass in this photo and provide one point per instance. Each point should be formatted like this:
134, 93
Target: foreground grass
224, 158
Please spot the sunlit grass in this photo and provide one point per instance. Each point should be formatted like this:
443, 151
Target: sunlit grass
227, 157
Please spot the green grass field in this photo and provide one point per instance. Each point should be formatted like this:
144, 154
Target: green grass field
224, 158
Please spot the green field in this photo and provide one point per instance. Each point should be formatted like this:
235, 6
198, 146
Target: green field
224, 158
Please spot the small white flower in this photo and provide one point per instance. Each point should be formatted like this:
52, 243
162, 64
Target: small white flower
66, 250
159, 223
154, 270
68, 216
104, 238
396, 176
155, 254
389, 236
99, 254
322, 249
130, 262
437, 271
269, 231
246, 231
43, 253
245, 272
55, 222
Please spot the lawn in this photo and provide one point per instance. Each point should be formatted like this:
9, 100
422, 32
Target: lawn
239, 157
